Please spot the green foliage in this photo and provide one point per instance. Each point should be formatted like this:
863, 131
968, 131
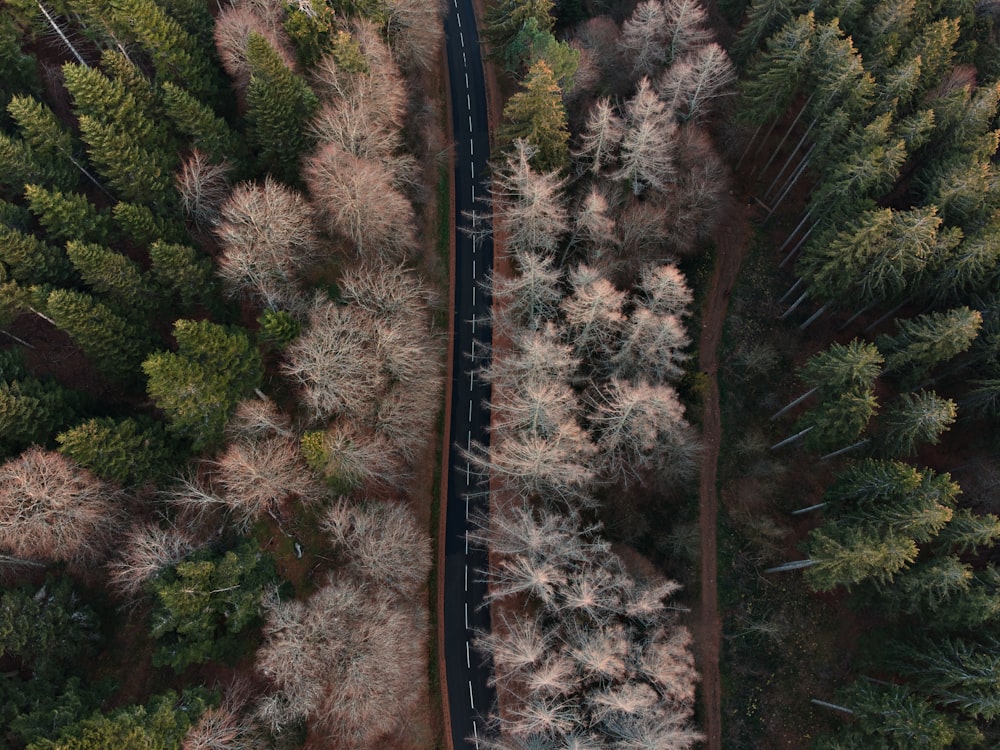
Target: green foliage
278, 328
196, 120
199, 385
114, 345
347, 53
67, 216
532, 44
777, 73
20, 70
31, 410
160, 725
312, 29
176, 56
128, 451
505, 20
279, 106
913, 419
51, 144
847, 555
48, 634
313, 450
27, 259
928, 340
184, 273
840, 367
203, 604
112, 276
141, 227
838, 420
537, 115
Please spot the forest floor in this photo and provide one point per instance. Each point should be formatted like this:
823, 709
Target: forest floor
731, 237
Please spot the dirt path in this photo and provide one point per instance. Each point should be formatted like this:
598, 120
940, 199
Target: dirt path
731, 237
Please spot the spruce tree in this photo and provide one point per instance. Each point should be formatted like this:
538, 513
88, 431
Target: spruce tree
279, 107
928, 340
536, 114
185, 274
51, 143
139, 226
112, 344
199, 385
128, 451
112, 276
28, 259
67, 216
197, 121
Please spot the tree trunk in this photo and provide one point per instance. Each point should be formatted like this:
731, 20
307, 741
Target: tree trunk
850, 447
809, 509
889, 314
66, 41
791, 184
793, 565
788, 161
791, 290
788, 239
832, 706
813, 318
750, 143
799, 301
791, 439
858, 314
793, 404
788, 132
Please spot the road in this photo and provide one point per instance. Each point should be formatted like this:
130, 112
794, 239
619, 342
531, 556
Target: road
470, 699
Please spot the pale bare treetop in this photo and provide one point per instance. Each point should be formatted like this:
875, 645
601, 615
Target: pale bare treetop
530, 204
602, 136
666, 290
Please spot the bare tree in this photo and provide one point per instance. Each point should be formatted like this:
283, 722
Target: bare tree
268, 242
693, 82
258, 418
537, 407
666, 660
652, 730
228, 726
665, 289
333, 361
629, 699
520, 529
232, 31
595, 227
554, 467
387, 290
415, 31
146, 551
382, 543
339, 658
659, 31
649, 143
593, 313
355, 457
358, 200
636, 425
516, 643
53, 510
253, 477
601, 136
530, 204
534, 355
541, 717
652, 347
203, 187
600, 652
529, 297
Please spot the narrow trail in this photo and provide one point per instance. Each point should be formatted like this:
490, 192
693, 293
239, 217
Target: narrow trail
731, 237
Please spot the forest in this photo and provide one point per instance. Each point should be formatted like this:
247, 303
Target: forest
224, 251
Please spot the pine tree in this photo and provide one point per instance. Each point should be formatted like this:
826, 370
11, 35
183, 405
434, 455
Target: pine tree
67, 216
31, 410
536, 114
777, 72
763, 18
50, 144
112, 344
129, 452
844, 556
279, 105
504, 21
953, 671
199, 386
928, 340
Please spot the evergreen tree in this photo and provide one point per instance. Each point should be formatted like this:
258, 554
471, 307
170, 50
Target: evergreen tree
184, 273
112, 344
175, 54
927, 340
278, 328
839, 419
129, 451
159, 725
31, 410
763, 18
847, 555
112, 276
199, 386
505, 20
29, 260
67, 216
776, 73
141, 227
279, 106
203, 604
840, 367
915, 418
49, 140
197, 121
536, 114
532, 44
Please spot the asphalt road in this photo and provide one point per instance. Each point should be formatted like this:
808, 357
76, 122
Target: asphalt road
470, 699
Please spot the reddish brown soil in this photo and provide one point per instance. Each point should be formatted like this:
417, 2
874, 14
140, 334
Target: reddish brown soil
731, 237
